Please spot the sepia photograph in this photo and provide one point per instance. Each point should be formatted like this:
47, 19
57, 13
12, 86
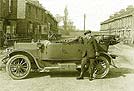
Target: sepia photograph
66, 45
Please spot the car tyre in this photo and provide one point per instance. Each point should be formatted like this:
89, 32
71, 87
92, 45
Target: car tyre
101, 67
18, 67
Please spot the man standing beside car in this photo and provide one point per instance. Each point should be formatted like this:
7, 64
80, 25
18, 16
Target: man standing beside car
89, 53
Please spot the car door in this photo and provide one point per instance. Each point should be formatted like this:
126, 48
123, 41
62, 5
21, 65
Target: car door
52, 51
71, 51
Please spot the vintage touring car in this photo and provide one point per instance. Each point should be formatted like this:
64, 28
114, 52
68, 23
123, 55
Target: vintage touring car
62, 55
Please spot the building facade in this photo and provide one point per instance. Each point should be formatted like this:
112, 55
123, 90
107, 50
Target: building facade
26, 19
122, 24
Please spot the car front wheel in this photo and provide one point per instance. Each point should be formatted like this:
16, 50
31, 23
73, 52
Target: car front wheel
18, 67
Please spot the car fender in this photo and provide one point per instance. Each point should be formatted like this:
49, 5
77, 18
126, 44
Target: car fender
107, 55
26, 53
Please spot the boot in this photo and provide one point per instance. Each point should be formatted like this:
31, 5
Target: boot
90, 79
91, 75
80, 77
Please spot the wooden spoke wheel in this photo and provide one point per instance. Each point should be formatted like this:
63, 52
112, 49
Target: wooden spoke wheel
18, 67
101, 67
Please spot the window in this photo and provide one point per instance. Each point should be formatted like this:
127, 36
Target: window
42, 15
29, 10
1, 25
36, 15
4, 1
10, 1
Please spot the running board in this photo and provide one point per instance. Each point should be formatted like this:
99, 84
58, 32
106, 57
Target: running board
47, 69
60, 66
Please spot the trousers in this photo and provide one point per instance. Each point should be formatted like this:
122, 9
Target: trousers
87, 64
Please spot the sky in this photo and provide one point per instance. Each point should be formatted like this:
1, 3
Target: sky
96, 10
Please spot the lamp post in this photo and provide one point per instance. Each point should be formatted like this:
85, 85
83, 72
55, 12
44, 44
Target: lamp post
84, 22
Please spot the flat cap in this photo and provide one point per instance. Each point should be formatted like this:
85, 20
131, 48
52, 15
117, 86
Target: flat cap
87, 32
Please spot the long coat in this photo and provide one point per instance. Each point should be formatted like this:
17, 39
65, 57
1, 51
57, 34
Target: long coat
90, 47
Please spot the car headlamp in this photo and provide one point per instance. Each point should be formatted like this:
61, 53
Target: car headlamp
7, 50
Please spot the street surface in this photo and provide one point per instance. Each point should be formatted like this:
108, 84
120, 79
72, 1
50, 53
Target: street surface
118, 79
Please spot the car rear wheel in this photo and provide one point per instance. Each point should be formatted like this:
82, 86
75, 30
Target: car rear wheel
18, 67
101, 67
